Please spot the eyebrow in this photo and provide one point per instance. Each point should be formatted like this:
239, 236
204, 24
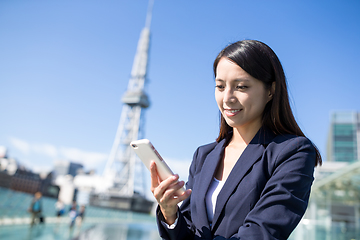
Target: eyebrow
235, 80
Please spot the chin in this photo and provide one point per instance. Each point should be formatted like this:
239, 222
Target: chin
231, 123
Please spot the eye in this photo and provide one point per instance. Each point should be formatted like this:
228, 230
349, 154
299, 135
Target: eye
241, 87
219, 86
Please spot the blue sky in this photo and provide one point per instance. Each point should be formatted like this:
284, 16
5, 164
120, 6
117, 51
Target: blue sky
64, 66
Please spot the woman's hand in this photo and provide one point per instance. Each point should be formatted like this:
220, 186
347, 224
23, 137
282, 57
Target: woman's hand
165, 193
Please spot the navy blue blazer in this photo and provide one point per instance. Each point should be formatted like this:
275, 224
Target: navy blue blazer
264, 197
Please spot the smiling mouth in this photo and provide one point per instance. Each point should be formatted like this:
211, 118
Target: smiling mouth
231, 112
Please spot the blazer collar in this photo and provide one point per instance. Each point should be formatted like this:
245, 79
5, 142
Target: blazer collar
251, 154
205, 178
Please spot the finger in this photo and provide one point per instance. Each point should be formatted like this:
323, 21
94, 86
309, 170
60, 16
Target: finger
169, 201
173, 191
174, 200
154, 175
166, 185
185, 195
176, 186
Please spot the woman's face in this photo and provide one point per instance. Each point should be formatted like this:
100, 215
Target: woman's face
241, 98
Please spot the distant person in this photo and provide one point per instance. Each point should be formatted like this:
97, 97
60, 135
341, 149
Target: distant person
36, 209
254, 181
73, 213
80, 215
60, 208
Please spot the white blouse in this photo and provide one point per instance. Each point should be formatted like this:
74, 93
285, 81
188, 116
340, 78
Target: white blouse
211, 197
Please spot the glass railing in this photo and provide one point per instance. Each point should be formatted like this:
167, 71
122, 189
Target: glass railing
325, 230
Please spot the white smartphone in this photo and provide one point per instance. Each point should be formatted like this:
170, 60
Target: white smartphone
147, 153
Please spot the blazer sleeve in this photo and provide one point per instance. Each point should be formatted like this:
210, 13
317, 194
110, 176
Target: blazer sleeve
184, 228
284, 199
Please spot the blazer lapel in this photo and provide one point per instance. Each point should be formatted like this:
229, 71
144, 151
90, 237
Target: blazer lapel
205, 178
251, 154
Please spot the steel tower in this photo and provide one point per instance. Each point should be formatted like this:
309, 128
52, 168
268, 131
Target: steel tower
123, 168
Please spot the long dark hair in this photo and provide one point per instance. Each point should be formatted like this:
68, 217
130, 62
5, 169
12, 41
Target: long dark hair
260, 61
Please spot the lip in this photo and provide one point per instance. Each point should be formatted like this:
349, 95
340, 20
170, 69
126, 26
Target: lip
231, 112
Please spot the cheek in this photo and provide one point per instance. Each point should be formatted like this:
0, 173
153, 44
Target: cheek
261, 102
218, 99
255, 102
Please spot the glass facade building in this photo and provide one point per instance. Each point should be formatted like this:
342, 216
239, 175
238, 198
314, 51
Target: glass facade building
334, 206
344, 137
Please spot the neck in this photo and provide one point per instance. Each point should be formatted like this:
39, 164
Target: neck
244, 135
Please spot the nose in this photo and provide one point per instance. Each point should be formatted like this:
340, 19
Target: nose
229, 96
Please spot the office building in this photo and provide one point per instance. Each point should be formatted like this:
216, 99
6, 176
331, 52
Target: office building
63, 168
344, 137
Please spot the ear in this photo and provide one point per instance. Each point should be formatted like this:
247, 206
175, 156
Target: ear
272, 91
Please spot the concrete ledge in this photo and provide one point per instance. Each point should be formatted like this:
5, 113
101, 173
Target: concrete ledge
66, 220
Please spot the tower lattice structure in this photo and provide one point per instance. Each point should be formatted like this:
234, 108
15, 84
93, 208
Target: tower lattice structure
123, 167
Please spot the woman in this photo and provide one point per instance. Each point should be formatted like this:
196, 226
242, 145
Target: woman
254, 181
36, 209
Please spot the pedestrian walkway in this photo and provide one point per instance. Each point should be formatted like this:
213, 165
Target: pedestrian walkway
46, 231
91, 229
98, 224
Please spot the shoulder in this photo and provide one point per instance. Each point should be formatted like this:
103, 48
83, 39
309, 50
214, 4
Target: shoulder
291, 150
201, 153
205, 149
288, 142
